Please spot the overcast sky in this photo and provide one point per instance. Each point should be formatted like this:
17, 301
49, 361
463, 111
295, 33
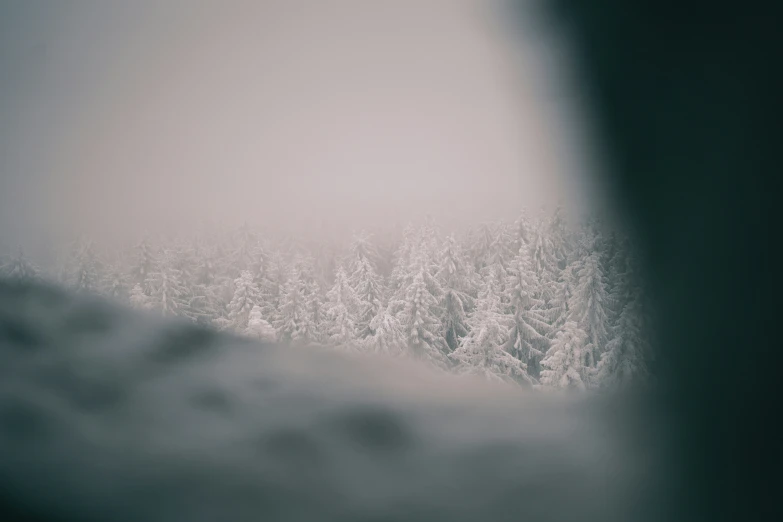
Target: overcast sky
119, 116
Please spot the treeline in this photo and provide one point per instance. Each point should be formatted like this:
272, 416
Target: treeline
529, 301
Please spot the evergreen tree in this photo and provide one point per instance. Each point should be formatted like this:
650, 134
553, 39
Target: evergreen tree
139, 299
628, 350
169, 295
388, 336
617, 267
205, 302
115, 284
559, 239
429, 240
506, 244
558, 311
291, 313
294, 321
456, 278
624, 360
495, 274
404, 260
146, 266
587, 306
482, 241
419, 320
260, 265
368, 287
19, 268
524, 231
360, 250
365, 282
245, 298
312, 324
86, 277
482, 350
341, 309
273, 289
526, 339
420, 264
543, 260
565, 363
258, 327
491, 302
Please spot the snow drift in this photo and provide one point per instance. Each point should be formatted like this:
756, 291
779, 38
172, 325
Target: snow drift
110, 414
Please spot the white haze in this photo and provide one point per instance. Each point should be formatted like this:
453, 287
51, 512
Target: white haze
305, 117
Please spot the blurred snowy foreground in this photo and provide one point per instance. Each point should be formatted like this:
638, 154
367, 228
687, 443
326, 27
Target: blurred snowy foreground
109, 414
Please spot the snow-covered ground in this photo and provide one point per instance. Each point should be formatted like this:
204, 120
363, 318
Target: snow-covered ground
112, 414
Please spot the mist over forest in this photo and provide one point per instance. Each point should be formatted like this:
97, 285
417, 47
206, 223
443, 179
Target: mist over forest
535, 301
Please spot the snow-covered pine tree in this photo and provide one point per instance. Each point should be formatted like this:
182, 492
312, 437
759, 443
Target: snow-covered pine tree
564, 365
420, 323
368, 287
496, 271
418, 259
542, 257
204, 302
341, 309
294, 322
310, 330
169, 295
628, 350
506, 243
558, 311
274, 286
458, 281
618, 274
86, 276
146, 266
388, 337
18, 267
429, 242
115, 282
258, 327
482, 351
366, 284
314, 305
259, 264
524, 231
625, 358
402, 272
360, 249
139, 299
527, 334
482, 241
246, 296
559, 238
183, 256
224, 276
587, 306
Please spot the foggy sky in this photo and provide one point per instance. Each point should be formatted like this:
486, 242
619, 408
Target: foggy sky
303, 115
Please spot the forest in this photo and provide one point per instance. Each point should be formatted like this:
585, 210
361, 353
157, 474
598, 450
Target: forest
536, 302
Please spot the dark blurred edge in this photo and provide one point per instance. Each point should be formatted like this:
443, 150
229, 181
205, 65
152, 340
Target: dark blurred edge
684, 95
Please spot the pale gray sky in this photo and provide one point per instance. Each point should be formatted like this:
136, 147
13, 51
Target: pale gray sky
124, 115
